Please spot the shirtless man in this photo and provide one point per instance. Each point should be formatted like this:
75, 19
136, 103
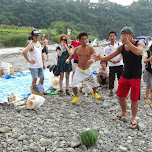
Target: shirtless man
83, 71
131, 51
45, 49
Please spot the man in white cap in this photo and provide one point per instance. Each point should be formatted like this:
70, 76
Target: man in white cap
33, 55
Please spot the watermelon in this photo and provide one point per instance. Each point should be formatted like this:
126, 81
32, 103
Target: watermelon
89, 137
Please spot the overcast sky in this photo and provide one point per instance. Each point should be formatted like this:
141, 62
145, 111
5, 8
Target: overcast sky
122, 2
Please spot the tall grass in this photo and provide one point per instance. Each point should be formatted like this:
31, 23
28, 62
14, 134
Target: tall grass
15, 40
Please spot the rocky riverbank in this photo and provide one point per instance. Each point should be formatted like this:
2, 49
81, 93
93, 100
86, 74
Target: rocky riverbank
57, 125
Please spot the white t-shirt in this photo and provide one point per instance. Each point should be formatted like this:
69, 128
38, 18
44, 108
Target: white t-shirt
146, 56
107, 70
35, 55
110, 49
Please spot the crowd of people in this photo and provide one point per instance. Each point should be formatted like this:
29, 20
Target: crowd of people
124, 60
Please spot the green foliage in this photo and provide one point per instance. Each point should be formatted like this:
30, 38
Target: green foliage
56, 38
92, 37
54, 16
16, 39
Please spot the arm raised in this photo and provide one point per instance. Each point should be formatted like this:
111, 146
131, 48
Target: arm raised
97, 57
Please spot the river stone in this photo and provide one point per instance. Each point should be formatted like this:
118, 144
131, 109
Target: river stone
59, 150
45, 142
122, 148
5, 129
22, 137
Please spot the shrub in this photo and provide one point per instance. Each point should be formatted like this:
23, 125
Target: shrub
16, 39
56, 38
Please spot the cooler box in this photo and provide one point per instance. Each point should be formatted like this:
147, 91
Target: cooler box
11, 69
35, 92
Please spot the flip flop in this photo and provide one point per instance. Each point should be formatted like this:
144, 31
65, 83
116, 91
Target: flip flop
148, 101
134, 125
118, 117
52, 92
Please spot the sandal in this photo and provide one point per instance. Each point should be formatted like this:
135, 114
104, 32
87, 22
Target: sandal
61, 93
117, 117
148, 101
67, 91
133, 125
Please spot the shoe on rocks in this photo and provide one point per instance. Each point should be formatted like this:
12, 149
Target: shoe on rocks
110, 94
75, 100
148, 101
96, 96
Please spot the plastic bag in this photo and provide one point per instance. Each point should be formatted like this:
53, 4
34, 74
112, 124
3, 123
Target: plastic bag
55, 69
5, 68
34, 101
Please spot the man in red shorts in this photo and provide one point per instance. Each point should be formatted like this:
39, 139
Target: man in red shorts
131, 51
74, 44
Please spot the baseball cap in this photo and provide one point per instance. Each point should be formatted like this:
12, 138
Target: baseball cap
35, 32
126, 30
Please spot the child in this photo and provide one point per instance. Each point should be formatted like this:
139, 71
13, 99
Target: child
103, 73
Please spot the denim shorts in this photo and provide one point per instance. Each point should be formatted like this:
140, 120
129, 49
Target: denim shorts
36, 72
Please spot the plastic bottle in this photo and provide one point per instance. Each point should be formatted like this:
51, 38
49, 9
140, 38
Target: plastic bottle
8, 98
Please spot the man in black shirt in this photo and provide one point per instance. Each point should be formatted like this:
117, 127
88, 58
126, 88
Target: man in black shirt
131, 51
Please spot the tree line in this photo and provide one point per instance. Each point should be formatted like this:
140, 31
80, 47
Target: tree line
97, 19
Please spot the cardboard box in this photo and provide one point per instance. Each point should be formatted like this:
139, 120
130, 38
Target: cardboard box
35, 92
0, 70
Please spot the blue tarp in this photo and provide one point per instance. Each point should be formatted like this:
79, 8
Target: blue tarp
141, 37
20, 84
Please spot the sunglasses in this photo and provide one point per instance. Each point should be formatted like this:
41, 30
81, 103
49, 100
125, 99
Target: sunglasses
63, 40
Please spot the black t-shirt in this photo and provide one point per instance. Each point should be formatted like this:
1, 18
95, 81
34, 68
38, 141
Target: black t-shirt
132, 64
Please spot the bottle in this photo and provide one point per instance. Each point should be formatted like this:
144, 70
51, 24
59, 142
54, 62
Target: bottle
8, 98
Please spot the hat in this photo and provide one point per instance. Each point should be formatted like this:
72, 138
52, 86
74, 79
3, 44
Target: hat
35, 32
126, 30
54, 80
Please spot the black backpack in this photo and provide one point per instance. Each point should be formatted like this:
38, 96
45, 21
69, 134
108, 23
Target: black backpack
55, 69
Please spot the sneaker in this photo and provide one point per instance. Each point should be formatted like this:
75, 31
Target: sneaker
75, 100
110, 94
96, 96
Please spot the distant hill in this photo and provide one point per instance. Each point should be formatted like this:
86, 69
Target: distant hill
95, 18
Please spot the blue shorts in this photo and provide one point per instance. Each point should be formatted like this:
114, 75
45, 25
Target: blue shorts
36, 72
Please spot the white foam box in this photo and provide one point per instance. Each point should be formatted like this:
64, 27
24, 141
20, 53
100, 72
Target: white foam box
11, 70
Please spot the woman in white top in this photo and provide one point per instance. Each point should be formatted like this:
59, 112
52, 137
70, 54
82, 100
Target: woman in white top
33, 54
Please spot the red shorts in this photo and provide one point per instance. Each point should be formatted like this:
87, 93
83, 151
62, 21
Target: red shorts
124, 87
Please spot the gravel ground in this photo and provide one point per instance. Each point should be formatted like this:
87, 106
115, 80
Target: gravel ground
57, 125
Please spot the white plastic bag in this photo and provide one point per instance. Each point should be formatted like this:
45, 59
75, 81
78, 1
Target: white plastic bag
5, 68
34, 101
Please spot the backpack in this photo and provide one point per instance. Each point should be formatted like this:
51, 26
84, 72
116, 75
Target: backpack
55, 69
